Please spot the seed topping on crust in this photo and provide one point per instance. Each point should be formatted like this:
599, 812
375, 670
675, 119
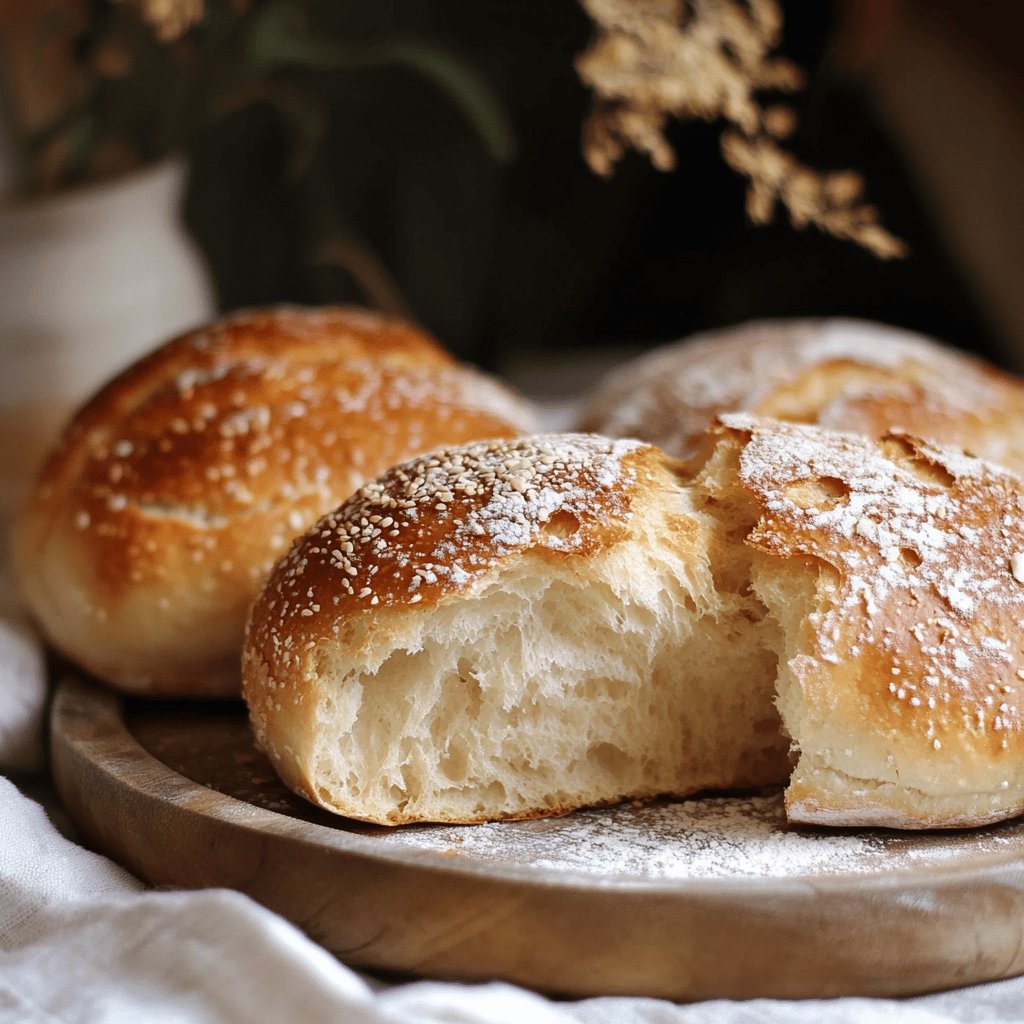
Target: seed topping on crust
432, 525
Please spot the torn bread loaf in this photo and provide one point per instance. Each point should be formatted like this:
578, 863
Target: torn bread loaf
847, 375
172, 493
521, 628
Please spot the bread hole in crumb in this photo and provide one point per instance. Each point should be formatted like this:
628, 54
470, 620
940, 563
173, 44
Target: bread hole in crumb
683, 473
493, 793
472, 690
732, 515
593, 688
611, 758
753, 612
905, 455
898, 449
560, 524
461, 698
453, 763
909, 558
822, 492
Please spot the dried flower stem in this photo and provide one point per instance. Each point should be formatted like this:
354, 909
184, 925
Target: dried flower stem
170, 19
709, 59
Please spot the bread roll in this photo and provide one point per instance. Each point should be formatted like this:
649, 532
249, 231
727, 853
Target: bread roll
520, 628
174, 490
845, 375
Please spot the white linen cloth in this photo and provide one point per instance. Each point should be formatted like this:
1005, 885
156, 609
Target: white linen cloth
83, 942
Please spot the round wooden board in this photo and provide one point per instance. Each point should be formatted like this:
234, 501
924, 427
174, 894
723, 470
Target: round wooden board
694, 900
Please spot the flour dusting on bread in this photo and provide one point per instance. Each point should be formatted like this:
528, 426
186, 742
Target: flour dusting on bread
175, 490
841, 374
921, 629
561, 622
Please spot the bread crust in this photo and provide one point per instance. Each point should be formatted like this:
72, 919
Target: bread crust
844, 375
431, 550
173, 491
424, 532
892, 571
905, 685
426, 529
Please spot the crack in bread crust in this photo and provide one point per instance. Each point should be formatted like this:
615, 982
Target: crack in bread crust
473, 664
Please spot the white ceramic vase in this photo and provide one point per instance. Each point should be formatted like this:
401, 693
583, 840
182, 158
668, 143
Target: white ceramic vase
89, 280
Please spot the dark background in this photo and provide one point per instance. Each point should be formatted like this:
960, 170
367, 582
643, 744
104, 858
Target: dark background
535, 254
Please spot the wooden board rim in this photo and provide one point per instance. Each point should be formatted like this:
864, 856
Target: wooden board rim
90, 740
116, 740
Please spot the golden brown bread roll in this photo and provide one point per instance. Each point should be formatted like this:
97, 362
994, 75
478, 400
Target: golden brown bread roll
506, 636
174, 490
519, 628
846, 375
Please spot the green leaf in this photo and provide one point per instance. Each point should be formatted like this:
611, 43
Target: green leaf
307, 120
303, 112
463, 85
279, 37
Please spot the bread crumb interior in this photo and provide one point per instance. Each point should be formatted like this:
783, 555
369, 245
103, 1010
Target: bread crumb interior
650, 671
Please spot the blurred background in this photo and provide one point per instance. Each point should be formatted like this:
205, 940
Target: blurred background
424, 158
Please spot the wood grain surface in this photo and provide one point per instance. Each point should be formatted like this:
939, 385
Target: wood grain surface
178, 794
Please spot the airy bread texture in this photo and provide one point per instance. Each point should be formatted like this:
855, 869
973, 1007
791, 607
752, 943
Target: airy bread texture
845, 375
173, 492
516, 629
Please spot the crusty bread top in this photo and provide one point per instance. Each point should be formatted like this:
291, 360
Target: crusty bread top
503, 631
890, 573
185, 478
427, 528
844, 375
911, 672
254, 341
268, 406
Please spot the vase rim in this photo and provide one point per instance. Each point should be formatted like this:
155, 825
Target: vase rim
171, 166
